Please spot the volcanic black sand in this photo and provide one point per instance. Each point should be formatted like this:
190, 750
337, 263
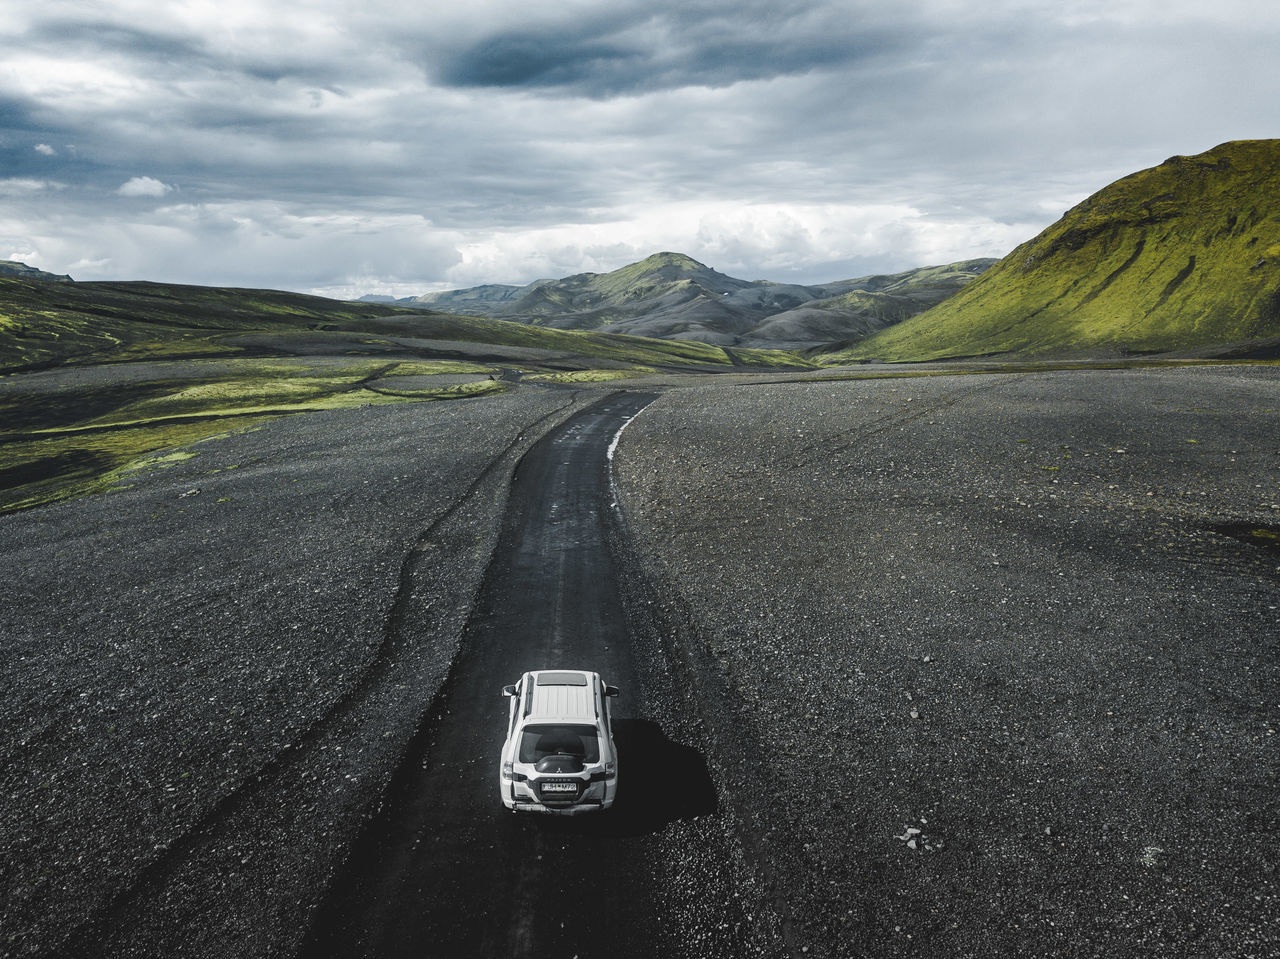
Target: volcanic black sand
211, 674
951, 666
1001, 683
446, 870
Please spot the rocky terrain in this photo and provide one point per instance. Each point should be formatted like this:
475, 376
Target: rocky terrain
976, 664
211, 672
987, 664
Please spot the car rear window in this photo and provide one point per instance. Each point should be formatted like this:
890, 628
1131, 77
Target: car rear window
561, 679
550, 740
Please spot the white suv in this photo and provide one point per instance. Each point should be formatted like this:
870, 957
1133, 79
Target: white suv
559, 755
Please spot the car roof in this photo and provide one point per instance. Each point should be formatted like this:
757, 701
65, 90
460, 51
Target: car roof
562, 694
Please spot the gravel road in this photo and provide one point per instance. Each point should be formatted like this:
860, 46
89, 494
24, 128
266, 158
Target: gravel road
980, 677
446, 869
210, 675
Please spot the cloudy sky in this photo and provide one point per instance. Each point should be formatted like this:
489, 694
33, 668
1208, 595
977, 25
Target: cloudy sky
396, 147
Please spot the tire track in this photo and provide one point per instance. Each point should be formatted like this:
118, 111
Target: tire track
445, 869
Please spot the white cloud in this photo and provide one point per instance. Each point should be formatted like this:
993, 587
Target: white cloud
26, 186
144, 186
809, 141
258, 244
805, 243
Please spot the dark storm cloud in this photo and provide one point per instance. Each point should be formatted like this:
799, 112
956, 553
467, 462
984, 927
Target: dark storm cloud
654, 49
167, 54
17, 115
506, 140
98, 34
547, 60
25, 122
33, 144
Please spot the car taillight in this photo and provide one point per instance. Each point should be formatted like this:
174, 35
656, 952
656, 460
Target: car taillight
610, 769
508, 771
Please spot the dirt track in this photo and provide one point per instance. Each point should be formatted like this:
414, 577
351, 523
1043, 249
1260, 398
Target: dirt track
446, 869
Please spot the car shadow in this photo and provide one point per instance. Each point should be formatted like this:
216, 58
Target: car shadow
660, 781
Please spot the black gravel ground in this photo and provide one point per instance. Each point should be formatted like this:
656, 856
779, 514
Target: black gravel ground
980, 665
988, 664
209, 676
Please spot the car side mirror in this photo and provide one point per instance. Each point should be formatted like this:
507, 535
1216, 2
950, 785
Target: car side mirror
611, 690
509, 691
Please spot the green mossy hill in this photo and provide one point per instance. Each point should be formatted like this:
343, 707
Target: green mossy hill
608, 297
863, 307
465, 301
1183, 257
48, 324
658, 269
43, 323
881, 306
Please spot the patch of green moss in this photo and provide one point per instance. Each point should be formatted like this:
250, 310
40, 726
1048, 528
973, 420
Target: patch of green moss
435, 367
455, 392
589, 376
57, 467
51, 453
164, 460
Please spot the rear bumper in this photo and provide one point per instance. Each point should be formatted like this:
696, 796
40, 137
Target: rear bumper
574, 809
597, 796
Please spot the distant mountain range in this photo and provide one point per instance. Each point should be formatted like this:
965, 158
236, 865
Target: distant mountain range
672, 296
1180, 258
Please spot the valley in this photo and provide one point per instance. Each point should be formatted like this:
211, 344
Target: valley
670, 295
944, 603
1028, 614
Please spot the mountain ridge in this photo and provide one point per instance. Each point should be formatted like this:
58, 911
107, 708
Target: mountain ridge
670, 295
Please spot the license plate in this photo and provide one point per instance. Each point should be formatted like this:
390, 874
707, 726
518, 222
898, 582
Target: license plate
559, 787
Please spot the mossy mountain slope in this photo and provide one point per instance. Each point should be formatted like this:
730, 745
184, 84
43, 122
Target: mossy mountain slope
1182, 257
878, 302
49, 323
464, 301
673, 296
45, 323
